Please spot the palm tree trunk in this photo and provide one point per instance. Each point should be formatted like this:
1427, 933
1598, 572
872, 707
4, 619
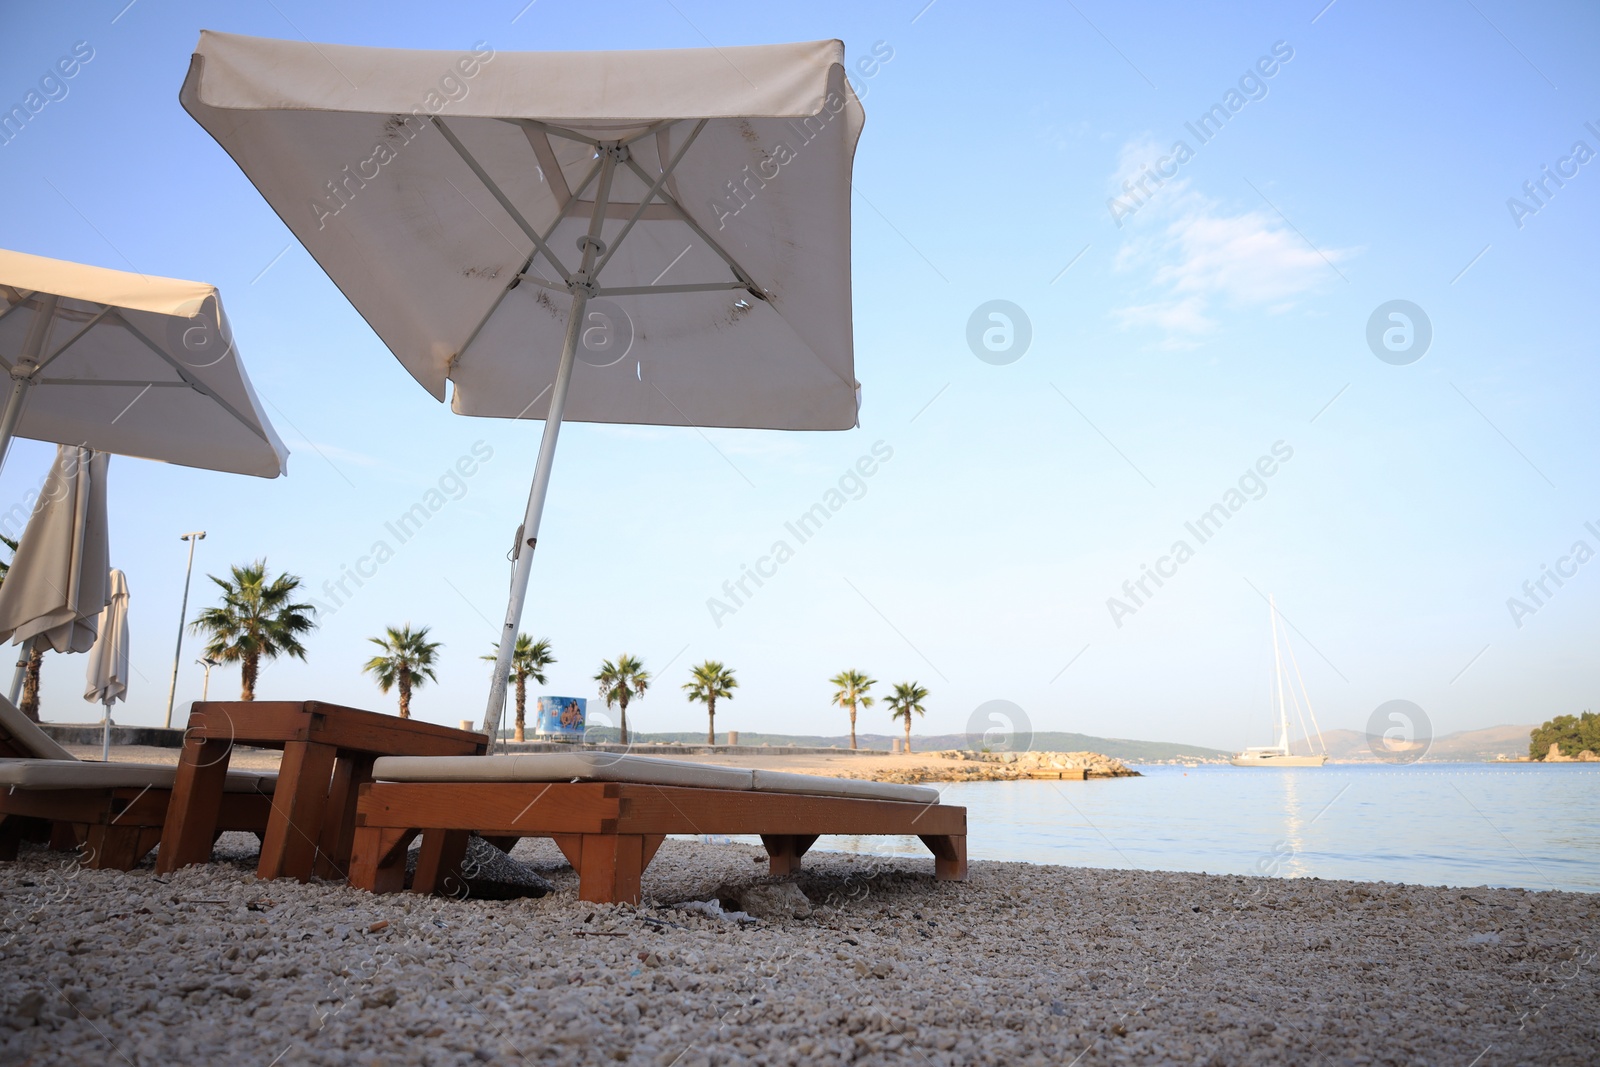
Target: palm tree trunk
405, 692
247, 676
711, 721
522, 706
908, 733
30, 683
623, 700
852, 727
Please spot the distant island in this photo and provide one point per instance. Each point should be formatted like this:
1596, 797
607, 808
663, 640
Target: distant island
1567, 737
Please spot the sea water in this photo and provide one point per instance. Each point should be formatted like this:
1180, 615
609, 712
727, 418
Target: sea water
1531, 825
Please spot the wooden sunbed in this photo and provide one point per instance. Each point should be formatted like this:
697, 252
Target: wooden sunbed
609, 815
112, 811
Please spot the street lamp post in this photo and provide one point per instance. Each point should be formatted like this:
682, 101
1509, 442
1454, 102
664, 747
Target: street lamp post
205, 687
183, 615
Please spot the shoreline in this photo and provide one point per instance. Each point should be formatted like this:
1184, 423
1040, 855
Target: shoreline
878, 964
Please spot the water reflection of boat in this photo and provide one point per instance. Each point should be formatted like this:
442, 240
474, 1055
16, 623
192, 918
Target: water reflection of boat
1279, 755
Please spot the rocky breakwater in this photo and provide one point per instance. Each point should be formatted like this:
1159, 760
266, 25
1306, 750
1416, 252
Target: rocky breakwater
956, 765
1009, 765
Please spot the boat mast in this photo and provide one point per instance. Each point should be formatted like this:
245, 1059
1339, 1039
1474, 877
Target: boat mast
1277, 663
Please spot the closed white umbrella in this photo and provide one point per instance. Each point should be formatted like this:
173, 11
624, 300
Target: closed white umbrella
129, 364
682, 216
107, 680
58, 580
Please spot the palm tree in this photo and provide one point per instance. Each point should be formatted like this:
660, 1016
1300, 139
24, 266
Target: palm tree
30, 683
529, 658
907, 699
408, 658
708, 683
620, 682
257, 618
852, 693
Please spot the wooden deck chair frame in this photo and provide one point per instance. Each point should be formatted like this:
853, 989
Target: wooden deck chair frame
113, 827
610, 831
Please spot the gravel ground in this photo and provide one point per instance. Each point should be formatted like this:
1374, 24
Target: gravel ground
1021, 964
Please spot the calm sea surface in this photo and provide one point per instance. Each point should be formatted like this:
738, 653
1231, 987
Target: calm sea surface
1531, 825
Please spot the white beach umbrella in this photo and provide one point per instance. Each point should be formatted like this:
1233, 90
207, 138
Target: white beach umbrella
679, 219
128, 364
107, 680
58, 580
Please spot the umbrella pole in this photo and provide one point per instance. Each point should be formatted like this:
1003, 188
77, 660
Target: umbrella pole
528, 534
581, 285
23, 370
22, 671
13, 414
105, 744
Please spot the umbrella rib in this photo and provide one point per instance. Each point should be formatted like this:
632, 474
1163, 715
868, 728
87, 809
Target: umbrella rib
523, 275
105, 309
17, 298
559, 131
193, 382
111, 382
644, 202
733, 264
690, 287
566, 208
500, 197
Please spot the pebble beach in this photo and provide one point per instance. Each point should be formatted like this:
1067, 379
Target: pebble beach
860, 959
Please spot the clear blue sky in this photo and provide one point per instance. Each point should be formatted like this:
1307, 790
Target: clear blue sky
1227, 312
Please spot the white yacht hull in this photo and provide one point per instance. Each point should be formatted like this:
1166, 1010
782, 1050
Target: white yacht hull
1276, 759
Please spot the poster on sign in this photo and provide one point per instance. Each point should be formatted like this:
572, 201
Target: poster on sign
561, 718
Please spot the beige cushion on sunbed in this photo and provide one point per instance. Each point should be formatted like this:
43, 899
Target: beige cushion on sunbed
558, 767
815, 785
641, 770
26, 735
81, 774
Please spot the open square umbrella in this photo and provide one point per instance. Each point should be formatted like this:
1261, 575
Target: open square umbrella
678, 219
129, 364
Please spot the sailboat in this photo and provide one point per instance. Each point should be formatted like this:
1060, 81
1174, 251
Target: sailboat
1278, 755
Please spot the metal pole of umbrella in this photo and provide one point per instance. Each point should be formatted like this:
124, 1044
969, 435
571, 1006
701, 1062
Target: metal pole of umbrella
183, 615
580, 285
21, 674
23, 371
105, 743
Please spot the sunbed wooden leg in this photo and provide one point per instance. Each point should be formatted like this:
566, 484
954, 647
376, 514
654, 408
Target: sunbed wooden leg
191, 824
949, 856
113, 848
609, 868
67, 836
439, 863
785, 851
338, 822
298, 804
11, 831
652, 842
378, 858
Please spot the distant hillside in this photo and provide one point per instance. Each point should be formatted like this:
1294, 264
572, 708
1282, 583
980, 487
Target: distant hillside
1465, 746
1047, 741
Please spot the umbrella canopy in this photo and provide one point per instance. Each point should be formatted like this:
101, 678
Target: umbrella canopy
681, 217
129, 364
58, 581
446, 193
107, 679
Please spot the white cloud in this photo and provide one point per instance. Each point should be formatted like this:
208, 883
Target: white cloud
1199, 260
